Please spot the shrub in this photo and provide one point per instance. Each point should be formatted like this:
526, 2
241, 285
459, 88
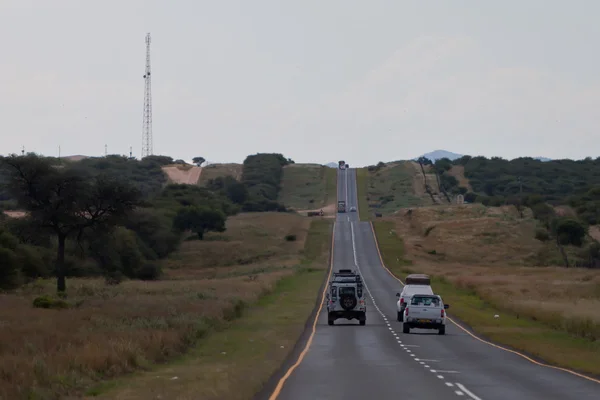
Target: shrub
542, 234
149, 271
49, 302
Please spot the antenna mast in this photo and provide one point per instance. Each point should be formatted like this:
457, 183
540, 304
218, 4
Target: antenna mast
147, 123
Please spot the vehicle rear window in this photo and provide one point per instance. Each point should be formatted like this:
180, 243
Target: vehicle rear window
346, 290
428, 301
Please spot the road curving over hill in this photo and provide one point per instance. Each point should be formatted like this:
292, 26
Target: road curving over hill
377, 361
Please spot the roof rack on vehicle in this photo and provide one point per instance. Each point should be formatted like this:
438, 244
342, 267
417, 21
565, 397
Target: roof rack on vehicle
345, 272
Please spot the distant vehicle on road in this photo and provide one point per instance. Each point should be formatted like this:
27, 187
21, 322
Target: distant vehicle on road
352, 209
414, 284
341, 206
425, 312
346, 297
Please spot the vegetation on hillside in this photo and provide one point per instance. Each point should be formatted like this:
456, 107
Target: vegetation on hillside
261, 175
524, 183
574, 182
307, 186
213, 171
113, 216
390, 187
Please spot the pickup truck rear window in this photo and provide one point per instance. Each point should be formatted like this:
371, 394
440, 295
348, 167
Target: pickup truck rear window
428, 301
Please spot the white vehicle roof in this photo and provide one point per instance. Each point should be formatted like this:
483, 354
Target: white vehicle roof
416, 289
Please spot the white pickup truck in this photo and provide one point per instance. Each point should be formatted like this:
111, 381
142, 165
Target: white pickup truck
425, 311
414, 284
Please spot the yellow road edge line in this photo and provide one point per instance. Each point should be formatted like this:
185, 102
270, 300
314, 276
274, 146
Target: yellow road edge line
589, 378
289, 372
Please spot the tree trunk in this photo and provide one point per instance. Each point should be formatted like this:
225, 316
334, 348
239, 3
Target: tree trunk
563, 253
61, 284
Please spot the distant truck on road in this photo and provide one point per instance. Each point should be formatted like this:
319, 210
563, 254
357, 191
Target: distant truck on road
341, 206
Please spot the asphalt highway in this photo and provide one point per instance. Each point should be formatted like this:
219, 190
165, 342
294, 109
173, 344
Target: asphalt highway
377, 361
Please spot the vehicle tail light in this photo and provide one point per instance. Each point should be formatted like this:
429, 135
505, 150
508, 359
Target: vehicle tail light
406, 309
401, 300
362, 302
442, 314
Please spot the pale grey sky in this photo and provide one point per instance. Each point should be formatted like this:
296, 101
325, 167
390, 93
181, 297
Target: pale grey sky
315, 80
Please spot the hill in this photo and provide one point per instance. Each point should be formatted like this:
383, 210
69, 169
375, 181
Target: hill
308, 187
437, 154
492, 181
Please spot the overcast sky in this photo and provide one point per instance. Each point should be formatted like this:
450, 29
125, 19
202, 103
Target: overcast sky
317, 80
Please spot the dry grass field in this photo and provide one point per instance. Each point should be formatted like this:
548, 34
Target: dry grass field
109, 331
487, 261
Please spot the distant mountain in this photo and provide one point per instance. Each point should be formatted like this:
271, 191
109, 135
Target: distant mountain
437, 154
543, 159
332, 165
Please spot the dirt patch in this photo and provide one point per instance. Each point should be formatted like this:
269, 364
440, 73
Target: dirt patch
329, 211
565, 211
15, 214
74, 158
183, 174
458, 171
418, 181
594, 232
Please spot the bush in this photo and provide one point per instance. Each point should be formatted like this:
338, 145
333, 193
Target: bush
261, 175
49, 302
542, 234
290, 238
149, 271
9, 271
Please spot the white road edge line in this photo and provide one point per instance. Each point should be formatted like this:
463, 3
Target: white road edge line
469, 393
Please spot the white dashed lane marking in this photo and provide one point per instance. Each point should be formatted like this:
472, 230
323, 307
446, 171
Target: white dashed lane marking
405, 346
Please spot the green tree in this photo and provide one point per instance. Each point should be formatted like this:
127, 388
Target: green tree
517, 202
198, 160
569, 231
67, 202
199, 220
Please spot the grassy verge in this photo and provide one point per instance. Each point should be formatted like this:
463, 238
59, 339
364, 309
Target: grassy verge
304, 186
555, 346
362, 186
331, 186
112, 330
213, 171
234, 363
392, 187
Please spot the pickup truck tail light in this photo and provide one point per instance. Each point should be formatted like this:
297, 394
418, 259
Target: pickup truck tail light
442, 313
406, 310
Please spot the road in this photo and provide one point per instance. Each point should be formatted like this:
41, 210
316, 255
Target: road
377, 361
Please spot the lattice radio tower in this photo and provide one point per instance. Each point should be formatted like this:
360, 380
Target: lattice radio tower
147, 123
